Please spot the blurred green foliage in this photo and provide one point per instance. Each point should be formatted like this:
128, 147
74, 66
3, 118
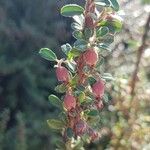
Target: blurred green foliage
146, 1
25, 78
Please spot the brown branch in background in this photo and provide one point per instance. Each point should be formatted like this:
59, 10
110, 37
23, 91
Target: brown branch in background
139, 56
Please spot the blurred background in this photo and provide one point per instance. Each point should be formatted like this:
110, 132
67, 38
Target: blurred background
26, 79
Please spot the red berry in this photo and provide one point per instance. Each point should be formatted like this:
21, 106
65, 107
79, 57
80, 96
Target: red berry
62, 74
80, 127
90, 57
69, 102
89, 23
98, 89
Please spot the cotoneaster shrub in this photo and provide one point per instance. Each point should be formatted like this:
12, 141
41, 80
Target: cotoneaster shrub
82, 81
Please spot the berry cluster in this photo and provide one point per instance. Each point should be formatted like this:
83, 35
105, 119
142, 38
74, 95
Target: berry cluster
82, 81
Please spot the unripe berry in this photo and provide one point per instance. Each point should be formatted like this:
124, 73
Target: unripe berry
80, 127
69, 102
62, 74
90, 57
98, 89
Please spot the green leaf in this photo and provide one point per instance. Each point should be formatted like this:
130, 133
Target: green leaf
117, 24
104, 46
60, 144
94, 120
60, 88
74, 81
66, 48
88, 33
114, 4
55, 124
73, 53
71, 10
102, 31
108, 39
79, 145
114, 23
108, 77
104, 3
55, 101
71, 66
80, 87
81, 97
81, 45
79, 19
108, 3
91, 80
63, 116
77, 34
70, 133
92, 112
88, 100
75, 26
145, 1
106, 98
132, 43
100, 62
48, 54
104, 49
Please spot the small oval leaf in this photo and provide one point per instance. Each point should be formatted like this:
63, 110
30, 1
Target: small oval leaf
69, 132
88, 33
71, 66
104, 3
104, 47
79, 19
55, 124
66, 48
102, 31
71, 10
77, 34
60, 144
108, 39
75, 26
54, 100
81, 97
108, 77
81, 45
60, 88
92, 112
114, 23
106, 98
114, 4
48, 54
73, 53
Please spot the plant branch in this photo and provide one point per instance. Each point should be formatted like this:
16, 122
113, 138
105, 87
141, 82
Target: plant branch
140, 51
